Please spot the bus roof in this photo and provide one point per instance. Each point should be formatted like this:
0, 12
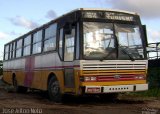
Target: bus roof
98, 9
79, 9
105, 9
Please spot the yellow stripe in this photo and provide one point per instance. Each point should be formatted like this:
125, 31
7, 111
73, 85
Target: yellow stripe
113, 83
110, 72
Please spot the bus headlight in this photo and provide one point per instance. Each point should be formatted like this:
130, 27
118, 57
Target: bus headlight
140, 77
90, 79
86, 79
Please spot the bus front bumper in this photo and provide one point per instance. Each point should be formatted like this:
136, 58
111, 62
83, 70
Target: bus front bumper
116, 89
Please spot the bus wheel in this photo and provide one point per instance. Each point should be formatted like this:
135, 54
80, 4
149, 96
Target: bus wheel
54, 90
18, 89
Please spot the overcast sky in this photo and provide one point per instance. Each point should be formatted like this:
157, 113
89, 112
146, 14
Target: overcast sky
20, 16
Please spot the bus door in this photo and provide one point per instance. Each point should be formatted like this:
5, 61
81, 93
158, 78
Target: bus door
67, 51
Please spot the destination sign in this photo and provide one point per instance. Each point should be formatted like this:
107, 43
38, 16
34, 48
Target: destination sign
108, 15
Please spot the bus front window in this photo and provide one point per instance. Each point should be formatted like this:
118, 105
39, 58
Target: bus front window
99, 41
129, 40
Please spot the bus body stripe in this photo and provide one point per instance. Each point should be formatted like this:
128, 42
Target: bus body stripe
29, 67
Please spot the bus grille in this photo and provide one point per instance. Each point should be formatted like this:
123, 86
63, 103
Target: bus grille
109, 68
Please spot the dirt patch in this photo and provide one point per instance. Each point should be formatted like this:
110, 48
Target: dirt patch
36, 102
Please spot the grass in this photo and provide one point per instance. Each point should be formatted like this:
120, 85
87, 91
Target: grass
154, 92
151, 94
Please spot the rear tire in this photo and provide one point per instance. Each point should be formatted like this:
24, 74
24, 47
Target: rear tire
54, 90
18, 89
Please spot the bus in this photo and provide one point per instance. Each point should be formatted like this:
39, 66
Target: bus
83, 52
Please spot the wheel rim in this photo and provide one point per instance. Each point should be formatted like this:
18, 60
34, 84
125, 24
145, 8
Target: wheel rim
55, 88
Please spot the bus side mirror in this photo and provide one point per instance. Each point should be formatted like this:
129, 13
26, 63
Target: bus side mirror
145, 35
68, 28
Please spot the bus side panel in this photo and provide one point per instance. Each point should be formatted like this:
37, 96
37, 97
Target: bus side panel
34, 71
59, 75
7, 72
36, 81
6, 77
51, 64
77, 81
20, 77
19, 69
44, 65
45, 75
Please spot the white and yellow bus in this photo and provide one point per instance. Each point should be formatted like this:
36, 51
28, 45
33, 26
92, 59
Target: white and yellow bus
86, 51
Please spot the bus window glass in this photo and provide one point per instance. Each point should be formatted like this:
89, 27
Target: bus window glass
61, 43
99, 41
49, 44
50, 38
27, 50
69, 46
10, 47
37, 48
37, 36
50, 31
10, 55
19, 48
77, 43
19, 43
6, 56
13, 52
129, 41
27, 40
6, 52
27, 46
18, 52
37, 42
7, 49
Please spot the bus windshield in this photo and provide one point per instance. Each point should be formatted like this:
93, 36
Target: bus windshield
101, 39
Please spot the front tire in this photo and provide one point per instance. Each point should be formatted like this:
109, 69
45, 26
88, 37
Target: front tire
54, 90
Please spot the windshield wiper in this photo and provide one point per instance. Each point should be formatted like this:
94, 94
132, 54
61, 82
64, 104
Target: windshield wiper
127, 53
108, 54
123, 50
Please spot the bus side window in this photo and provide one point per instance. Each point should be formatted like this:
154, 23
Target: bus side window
6, 52
19, 48
37, 42
61, 44
77, 42
50, 38
69, 46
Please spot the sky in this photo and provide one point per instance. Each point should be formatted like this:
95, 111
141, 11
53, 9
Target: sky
18, 17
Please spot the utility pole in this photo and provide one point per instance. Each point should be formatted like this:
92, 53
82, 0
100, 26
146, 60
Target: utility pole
1, 67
